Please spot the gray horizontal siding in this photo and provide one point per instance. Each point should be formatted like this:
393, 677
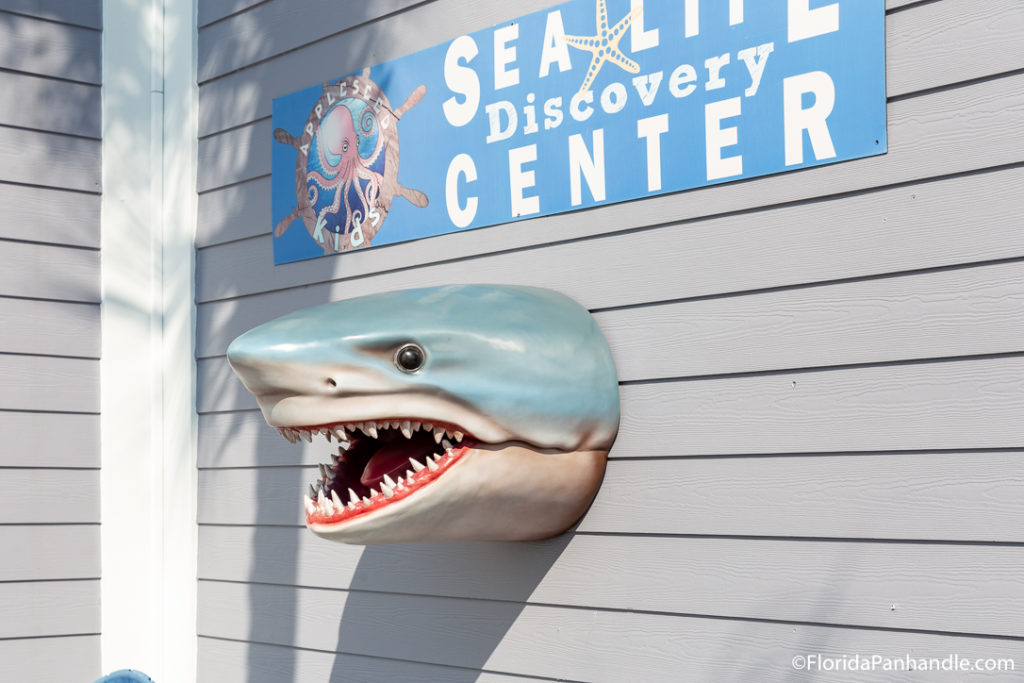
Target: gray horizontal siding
29, 101
50, 160
823, 381
959, 496
39, 439
50, 172
47, 48
953, 131
958, 589
51, 660
275, 27
216, 10
48, 496
44, 553
226, 661
567, 644
43, 271
86, 13
45, 383
49, 327
925, 225
49, 608
951, 41
51, 216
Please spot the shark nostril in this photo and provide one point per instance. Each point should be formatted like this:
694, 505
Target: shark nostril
331, 383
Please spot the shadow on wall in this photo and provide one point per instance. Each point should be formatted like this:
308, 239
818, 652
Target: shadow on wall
439, 603
406, 607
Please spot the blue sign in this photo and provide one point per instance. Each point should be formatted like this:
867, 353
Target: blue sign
590, 102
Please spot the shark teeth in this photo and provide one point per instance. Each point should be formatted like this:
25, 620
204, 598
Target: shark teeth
347, 433
323, 501
327, 494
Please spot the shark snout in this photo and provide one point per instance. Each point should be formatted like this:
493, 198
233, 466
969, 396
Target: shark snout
281, 369
274, 370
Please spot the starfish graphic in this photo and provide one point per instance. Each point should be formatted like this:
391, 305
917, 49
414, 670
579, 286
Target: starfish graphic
605, 44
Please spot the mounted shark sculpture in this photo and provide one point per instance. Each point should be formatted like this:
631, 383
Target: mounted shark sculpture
477, 412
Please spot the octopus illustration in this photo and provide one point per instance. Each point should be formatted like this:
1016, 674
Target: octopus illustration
346, 172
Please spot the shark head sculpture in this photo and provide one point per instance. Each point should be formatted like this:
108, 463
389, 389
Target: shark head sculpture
474, 412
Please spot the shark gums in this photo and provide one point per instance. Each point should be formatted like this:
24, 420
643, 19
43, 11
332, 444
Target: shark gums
475, 412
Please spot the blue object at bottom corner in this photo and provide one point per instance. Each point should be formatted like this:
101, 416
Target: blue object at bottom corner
125, 676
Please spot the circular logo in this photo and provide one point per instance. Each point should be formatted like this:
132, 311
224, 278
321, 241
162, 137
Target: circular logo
346, 170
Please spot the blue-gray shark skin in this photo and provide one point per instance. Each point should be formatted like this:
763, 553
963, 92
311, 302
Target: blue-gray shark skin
507, 405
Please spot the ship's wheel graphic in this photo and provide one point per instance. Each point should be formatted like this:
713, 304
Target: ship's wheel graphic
346, 171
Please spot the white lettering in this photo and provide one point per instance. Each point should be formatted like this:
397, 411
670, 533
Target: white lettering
735, 12
581, 163
555, 50
717, 137
714, 66
684, 73
796, 119
355, 238
755, 59
553, 113
805, 22
318, 232
691, 18
496, 132
461, 216
461, 80
647, 86
639, 39
578, 112
520, 180
613, 98
530, 112
651, 130
505, 55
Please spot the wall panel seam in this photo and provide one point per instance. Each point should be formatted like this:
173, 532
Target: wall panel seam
50, 77
360, 655
632, 230
362, 26
50, 20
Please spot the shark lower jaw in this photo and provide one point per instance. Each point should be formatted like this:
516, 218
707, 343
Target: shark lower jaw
402, 480
378, 463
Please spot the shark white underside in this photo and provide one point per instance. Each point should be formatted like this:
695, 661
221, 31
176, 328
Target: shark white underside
538, 493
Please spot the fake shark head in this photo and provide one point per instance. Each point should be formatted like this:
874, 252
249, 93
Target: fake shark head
476, 412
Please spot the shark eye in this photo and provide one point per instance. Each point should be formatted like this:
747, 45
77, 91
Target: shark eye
409, 358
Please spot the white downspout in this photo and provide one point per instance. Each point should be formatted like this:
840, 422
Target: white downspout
148, 418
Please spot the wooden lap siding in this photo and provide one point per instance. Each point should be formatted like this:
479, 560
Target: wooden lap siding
49, 340
822, 383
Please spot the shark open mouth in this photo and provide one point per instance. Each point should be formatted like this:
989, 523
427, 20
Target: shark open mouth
377, 464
